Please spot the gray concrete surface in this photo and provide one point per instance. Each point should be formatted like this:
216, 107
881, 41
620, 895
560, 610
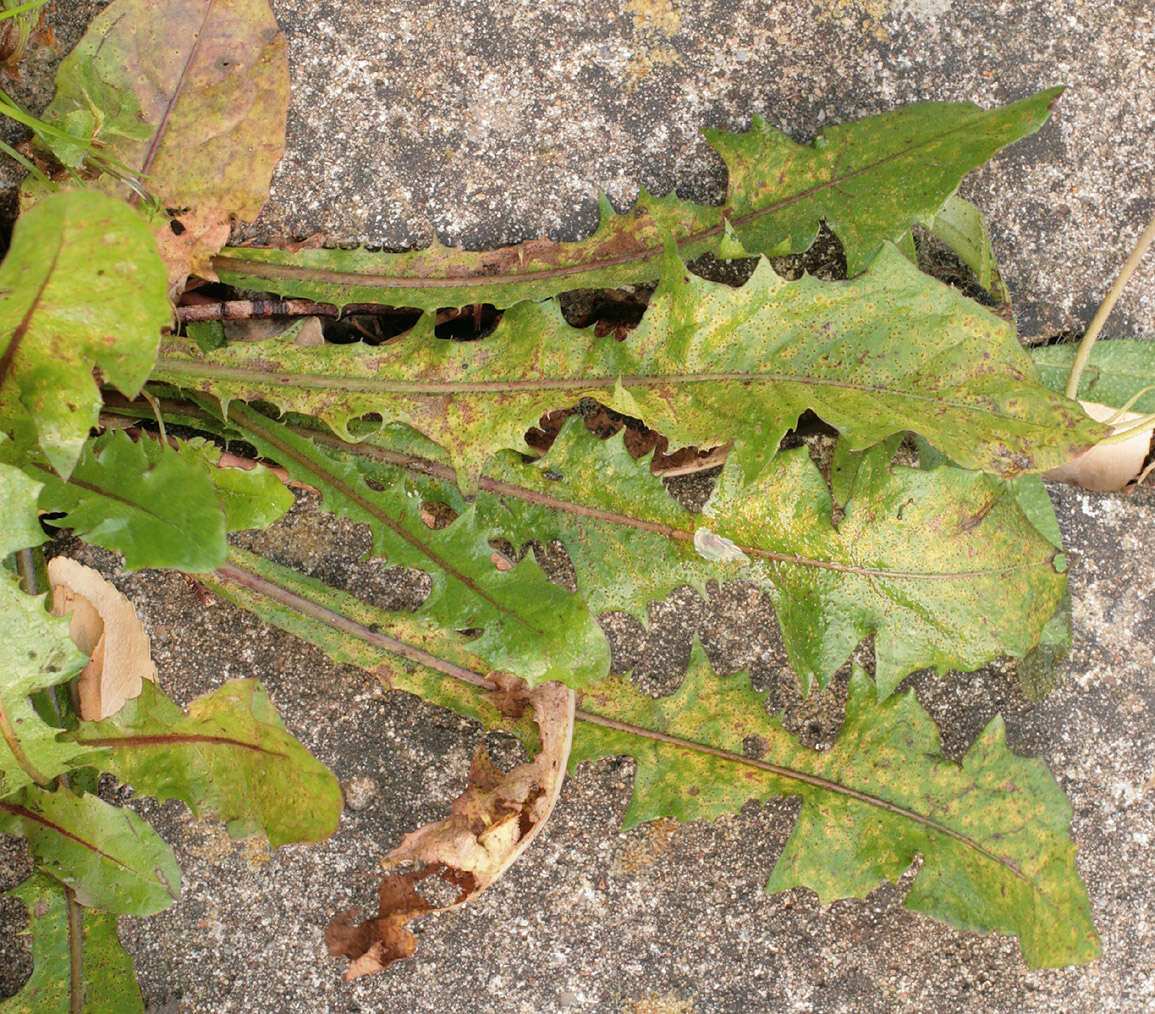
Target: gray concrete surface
667, 917
491, 123
488, 123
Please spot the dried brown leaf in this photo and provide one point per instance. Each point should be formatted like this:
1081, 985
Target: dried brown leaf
489, 826
1105, 466
105, 627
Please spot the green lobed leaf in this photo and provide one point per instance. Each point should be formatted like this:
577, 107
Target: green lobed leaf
19, 524
155, 505
1117, 371
82, 287
108, 855
992, 831
916, 560
870, 181
522, 623
229, 757
35, 653
251, 498
106, 983
890, 351
351, 632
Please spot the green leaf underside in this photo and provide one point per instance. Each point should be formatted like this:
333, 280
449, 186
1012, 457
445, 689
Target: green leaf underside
992, 831
529, 627
108, 855
155, 505
104, 979
229, 757
35, 653
869, 181
251, 498
959, 224
1117, 371
890, 351
917, 560
82, 286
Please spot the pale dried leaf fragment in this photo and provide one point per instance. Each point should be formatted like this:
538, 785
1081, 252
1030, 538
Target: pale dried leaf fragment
105, 627
1108, 466
490, 824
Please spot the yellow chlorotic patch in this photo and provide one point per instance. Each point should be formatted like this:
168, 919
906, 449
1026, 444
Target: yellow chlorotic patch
646, 845
655, 16
868, 13
642, 64
666, 1003
654, 21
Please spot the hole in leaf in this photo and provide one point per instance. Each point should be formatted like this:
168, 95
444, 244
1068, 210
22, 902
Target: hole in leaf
365, 425
437, 515
607, 309
467, 323
373, 325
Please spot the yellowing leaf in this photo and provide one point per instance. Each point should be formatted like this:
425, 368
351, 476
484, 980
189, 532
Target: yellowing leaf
191, 95
869, 181
993, 832
889, 351
230, 756
104, 979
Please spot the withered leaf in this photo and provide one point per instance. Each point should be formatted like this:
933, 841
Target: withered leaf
1108, 465
192, 96
490, 824
105, 627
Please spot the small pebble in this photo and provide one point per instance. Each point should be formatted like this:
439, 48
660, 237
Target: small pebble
359, 792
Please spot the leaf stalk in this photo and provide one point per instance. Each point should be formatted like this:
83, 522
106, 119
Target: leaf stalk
1083, 356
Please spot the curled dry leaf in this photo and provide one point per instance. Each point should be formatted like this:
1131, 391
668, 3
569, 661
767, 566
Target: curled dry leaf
1107, 466
489, 826
105, 627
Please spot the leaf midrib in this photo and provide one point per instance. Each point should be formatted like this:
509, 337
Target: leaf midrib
174, 739
439, 389
641, 255
25, 813
178, 90
25, 324
246, 419
342, 623
422, 466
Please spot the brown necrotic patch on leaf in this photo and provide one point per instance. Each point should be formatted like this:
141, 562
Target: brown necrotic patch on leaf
489, 826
